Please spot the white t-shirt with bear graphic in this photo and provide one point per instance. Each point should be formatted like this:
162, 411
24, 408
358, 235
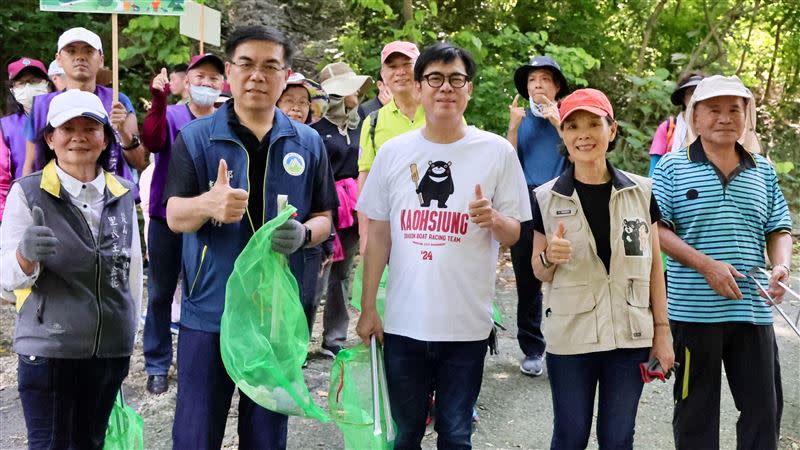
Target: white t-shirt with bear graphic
443, 266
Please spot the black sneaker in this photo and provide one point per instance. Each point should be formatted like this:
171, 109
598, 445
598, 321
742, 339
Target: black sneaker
157, 384
330, 350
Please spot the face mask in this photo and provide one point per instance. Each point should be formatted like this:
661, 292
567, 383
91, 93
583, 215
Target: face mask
536, 109
24, 95
203, 96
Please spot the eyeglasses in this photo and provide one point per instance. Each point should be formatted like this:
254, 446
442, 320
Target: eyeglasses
456, 80
249, 68
302, 103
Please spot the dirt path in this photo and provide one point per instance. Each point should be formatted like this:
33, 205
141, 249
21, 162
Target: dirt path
515, 410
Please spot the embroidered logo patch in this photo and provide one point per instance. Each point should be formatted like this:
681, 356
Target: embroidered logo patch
635, 236
564, 212
294, 164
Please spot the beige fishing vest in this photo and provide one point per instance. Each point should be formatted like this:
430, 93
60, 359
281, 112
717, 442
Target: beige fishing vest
585, 308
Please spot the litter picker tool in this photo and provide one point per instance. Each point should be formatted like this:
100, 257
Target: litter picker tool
788, 289
752, 274
376, 403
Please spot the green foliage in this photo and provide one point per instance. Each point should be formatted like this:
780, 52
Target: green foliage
149, 43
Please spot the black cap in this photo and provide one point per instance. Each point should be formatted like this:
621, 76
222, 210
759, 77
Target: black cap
540, 62
677, 95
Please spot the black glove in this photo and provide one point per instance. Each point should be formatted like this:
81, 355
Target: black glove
39, 241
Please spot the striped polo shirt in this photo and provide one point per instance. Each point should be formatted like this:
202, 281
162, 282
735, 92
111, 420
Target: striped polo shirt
726, 218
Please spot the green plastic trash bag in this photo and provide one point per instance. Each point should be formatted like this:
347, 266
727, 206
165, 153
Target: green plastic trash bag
358, 282
125, 427
350, 400
497, 316
263, 332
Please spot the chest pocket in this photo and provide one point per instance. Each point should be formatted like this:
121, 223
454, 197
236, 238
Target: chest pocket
568, 214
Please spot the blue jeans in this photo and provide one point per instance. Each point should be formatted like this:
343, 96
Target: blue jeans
414, 369
204, 398
573, 382
164, 256
67, 402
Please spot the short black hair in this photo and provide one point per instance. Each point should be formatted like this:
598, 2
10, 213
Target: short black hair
446, 53
259, 33
562, 148
179, 68
102, 160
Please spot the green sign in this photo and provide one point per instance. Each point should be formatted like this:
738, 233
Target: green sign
151, 7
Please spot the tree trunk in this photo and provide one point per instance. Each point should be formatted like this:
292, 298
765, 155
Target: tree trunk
775, 49
307, 23
749, 35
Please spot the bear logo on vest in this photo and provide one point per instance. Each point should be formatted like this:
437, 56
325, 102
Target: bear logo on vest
635, 234
436, 184
294, 164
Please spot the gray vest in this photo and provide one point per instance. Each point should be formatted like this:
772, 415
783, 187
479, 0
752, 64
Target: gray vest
81, 304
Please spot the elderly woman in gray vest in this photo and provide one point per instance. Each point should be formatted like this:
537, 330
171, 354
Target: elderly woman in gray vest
604, 297
70, 249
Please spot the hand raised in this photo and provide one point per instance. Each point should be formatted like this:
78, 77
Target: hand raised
516, 113
559, 250
480, 210
229, 204
161, 81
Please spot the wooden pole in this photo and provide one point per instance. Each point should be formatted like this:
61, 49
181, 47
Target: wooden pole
115, 56
202, 26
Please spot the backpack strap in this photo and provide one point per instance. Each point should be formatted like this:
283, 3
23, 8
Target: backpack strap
373, 121
670, 132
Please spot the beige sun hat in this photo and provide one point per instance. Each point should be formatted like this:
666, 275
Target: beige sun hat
718, 86
339, 79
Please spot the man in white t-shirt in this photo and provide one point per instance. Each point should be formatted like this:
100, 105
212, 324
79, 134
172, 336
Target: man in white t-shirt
440, 201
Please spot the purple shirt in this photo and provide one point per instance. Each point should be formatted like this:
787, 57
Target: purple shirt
13, 133
177, 117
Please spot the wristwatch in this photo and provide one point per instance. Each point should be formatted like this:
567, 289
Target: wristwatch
135, 142
547, 264
308, 235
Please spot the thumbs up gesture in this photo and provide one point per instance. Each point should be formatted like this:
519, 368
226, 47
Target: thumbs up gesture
229, 204
38, 241
559, 250
161, 81
480, 210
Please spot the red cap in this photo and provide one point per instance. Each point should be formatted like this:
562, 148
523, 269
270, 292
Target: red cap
590, 100
24, 63
402, 47
207, 58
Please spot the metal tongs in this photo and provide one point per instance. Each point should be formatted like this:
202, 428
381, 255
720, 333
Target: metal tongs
752, 274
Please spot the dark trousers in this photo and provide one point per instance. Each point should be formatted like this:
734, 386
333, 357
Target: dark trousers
334, 280
204, 398
573, 382
749, 353
529, 293
312, 269
164, 256
414, 369
67, 402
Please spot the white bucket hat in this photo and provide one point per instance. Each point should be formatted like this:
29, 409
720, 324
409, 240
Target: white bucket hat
718, 86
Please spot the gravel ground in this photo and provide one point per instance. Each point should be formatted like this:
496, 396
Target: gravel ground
515, 410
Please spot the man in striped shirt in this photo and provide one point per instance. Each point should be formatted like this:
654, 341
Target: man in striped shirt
721, 208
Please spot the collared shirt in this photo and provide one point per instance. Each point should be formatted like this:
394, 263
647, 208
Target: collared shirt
88, 197
391, 122
726, 217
